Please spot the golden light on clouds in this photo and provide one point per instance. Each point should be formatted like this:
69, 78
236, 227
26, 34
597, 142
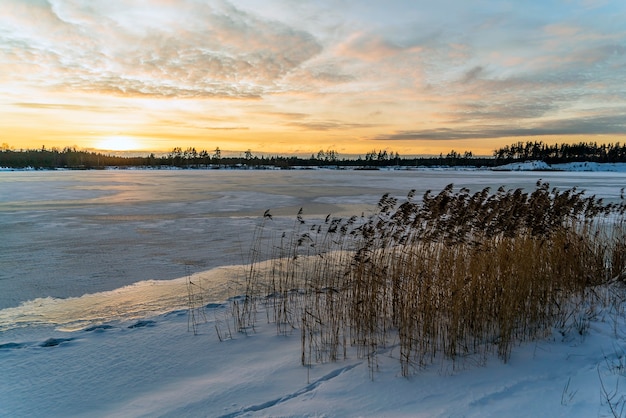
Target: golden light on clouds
406, 76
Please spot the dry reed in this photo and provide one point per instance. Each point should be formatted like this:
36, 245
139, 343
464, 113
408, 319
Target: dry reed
449, 276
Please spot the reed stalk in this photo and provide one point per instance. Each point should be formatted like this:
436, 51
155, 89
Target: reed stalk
447, 276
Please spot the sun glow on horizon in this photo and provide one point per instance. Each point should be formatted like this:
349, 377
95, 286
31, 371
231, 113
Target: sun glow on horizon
118, 143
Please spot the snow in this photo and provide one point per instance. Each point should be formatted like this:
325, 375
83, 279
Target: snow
572, 167
524, 166
91, 330
588, 166
156, 367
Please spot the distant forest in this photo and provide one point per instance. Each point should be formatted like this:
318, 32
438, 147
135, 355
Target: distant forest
71, 158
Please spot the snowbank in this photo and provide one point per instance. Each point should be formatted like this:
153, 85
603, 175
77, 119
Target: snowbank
578, 166
524, 166
156, 367
588, 166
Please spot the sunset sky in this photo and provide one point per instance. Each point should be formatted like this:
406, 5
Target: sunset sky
297, 76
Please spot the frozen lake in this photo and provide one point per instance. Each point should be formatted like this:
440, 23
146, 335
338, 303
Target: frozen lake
88, 246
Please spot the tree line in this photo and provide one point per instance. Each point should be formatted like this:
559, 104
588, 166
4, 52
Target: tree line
562, 153
190, 158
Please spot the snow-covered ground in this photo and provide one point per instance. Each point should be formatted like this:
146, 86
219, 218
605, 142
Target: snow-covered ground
93, 295
573, 167
156, 368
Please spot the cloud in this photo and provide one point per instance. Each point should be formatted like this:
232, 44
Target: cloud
202, 123
329, 75
485, 95
161, 49
367, 47
613, 124
328, 125
461, 69
285, 115
65, 106
473, 74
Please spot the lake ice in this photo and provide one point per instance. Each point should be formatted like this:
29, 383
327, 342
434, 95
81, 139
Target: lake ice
83, 247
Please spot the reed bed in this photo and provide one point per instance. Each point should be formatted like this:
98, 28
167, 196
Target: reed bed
447, 276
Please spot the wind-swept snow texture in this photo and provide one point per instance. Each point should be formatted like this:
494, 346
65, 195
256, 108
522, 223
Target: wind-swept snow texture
157, 368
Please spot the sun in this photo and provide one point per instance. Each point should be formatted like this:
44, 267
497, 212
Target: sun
118, 143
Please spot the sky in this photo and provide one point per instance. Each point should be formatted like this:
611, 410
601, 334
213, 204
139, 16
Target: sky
299, 76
